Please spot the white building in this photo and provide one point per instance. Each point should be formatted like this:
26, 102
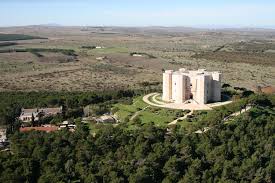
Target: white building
200, 85
3, 136
28, 114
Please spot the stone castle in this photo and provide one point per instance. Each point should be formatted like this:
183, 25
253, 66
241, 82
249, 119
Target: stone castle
200, 85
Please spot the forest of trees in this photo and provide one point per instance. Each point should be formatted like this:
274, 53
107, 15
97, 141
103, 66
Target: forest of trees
239, 151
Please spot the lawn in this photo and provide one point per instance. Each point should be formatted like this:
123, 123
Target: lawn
159, 116
126, 111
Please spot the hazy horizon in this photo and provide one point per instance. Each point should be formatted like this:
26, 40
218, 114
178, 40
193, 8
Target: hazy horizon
125, 13
210, 27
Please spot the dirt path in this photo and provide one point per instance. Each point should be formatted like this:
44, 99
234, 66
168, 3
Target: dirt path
137, 113
217, 104
237, 113
181, 118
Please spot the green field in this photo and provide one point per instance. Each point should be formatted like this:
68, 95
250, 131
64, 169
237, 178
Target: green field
15, 37
6, 44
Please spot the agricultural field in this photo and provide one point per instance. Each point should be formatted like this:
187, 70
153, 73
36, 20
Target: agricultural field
14, 37
68, 58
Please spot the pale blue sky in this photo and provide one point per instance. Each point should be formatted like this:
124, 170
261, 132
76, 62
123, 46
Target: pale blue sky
196, 13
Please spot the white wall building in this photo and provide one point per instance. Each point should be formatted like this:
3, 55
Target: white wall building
200, 85
27, 114
3, 136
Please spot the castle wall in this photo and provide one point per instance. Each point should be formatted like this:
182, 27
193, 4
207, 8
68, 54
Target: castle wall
204, 86
216, 87
176, 88
201, 92
167, 85
180, 88
208, 88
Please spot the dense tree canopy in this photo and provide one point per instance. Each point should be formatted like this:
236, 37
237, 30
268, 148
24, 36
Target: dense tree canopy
12, 102
239, 151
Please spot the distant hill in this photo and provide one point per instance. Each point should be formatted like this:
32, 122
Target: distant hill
50, 25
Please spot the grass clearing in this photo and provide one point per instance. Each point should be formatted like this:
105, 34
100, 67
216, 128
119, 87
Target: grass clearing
159, 116
126, 111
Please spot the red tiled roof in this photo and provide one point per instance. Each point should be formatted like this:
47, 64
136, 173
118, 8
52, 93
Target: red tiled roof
268, 89
45, 129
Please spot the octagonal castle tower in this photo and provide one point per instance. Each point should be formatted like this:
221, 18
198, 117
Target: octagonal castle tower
200, 85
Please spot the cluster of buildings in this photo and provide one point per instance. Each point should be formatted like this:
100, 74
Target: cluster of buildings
29, 115
33, 115
183, 85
